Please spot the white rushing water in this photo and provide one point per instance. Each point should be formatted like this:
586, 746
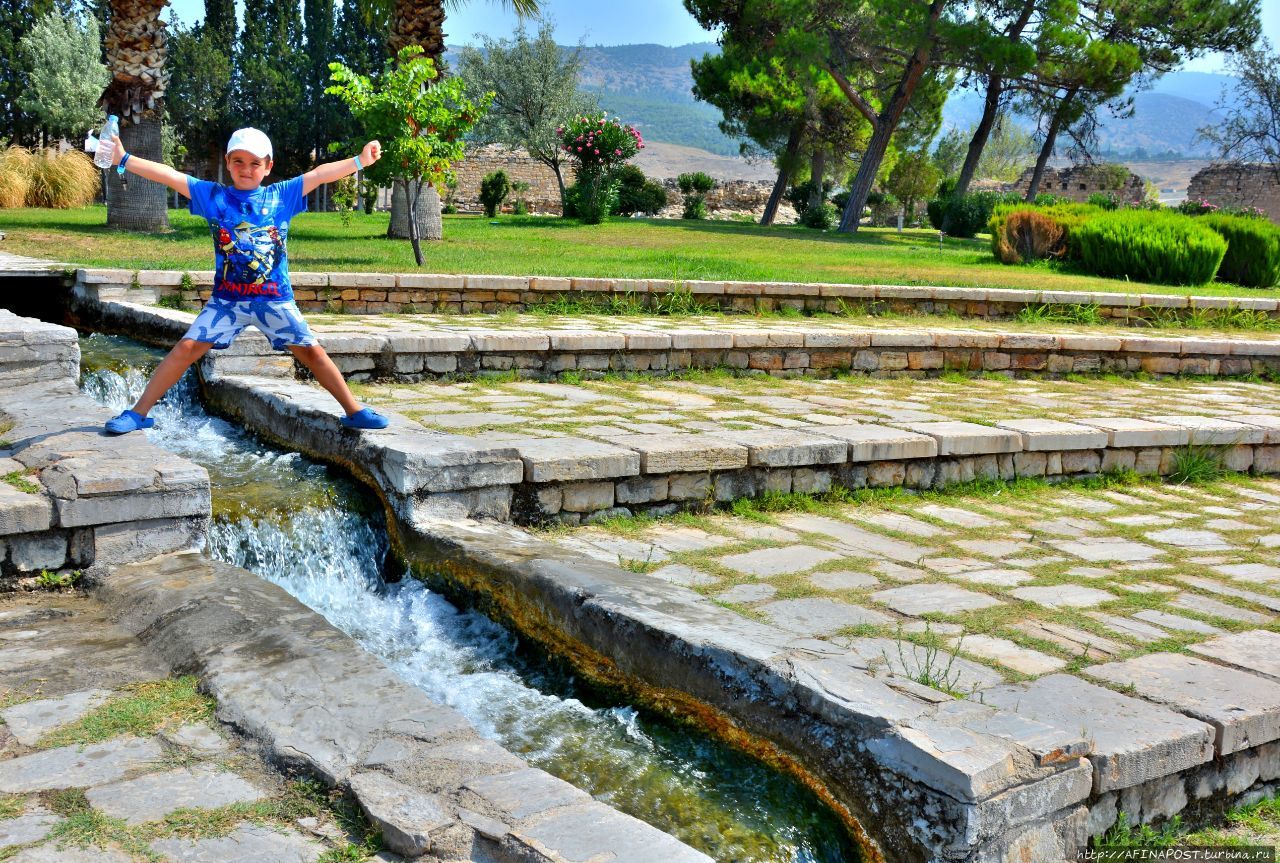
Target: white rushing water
320, 538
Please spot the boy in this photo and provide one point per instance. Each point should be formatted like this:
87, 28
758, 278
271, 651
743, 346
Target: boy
250, 225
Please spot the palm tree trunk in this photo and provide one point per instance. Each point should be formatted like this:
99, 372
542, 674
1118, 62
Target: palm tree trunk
143, 206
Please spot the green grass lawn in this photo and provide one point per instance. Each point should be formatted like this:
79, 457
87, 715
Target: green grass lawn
624, 248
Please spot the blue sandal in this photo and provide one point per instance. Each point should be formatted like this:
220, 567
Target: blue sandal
365, 418
128, 421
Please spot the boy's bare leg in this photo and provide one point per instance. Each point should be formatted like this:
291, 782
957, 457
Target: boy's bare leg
326, 374
171, 368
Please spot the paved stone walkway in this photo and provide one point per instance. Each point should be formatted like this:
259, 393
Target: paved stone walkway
97, 764
611, 408
1017, 584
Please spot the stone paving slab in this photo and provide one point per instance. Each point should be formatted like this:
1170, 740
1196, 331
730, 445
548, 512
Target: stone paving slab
1133, 741
248, 843
1256, 651
26, 829
78, 766
1243, 708
30, 721
151, 797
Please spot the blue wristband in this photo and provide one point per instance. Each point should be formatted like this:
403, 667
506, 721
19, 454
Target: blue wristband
358, 165
124, 160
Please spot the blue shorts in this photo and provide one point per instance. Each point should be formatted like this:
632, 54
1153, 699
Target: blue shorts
220, 321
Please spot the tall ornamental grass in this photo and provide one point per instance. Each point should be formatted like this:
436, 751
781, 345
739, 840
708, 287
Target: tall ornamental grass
46, 178
1165, 248
15, 176
1253, 250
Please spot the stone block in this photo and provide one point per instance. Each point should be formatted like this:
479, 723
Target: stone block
564, 459
22, 512
671, 453
248, 842
1125, 432
641, 489
786, 447
406, 816
689, 486
116, 508
879, 443
1213, 430
495, 342
1030, 463
522, 793
30, 553
587, 496
1081, 461
1043, 434
963, 438
1244, 709
127, 542
430, 281
562, 340
683, 340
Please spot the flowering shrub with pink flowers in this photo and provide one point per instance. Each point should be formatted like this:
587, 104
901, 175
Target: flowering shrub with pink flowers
598, 145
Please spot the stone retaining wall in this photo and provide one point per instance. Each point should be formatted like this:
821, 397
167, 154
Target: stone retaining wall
75, 498
799, 349
406, 293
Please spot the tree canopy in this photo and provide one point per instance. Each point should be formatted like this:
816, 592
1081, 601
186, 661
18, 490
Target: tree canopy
61, 55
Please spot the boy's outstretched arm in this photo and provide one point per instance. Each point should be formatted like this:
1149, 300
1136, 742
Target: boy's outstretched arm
149, 170
330, 171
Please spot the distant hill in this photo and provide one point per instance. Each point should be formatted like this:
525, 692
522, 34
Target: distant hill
651, 86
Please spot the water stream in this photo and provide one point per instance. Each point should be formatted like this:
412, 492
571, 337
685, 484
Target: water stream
322, 538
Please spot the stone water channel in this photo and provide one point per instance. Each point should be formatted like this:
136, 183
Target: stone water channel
322, 538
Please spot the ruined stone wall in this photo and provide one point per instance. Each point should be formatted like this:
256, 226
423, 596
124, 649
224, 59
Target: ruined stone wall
730, 199
543, 195
1239, 186
1080, 181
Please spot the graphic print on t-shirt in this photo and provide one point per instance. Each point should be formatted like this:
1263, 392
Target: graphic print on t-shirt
250, 231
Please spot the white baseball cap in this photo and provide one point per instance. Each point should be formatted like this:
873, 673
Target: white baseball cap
251, 140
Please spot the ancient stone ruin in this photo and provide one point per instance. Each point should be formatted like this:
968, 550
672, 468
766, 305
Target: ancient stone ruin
1239, 185
1080, 181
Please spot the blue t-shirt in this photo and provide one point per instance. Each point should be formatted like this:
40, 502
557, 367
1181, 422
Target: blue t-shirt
250, 230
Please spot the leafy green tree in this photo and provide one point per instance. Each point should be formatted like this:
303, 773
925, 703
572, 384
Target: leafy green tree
199, 91
269, 81
66, 76
694, 186
1008, 60
535, 87
879, 54
949, 152
1115, 44
17, 17
220, 25
1250, 128
421, 121
913, 178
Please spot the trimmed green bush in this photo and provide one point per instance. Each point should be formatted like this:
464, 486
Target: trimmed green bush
969, 214
637, 193
822, 218
1253, 250
694, 186
494, 189
1148, 246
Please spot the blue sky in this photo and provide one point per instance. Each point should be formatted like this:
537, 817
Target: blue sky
664, 22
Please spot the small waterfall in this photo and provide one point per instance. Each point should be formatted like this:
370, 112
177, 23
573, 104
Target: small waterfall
323, 539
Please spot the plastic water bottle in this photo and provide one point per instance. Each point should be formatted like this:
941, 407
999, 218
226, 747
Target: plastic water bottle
106, 151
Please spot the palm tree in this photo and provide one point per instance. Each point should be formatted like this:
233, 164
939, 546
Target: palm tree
136, 46
421, 22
